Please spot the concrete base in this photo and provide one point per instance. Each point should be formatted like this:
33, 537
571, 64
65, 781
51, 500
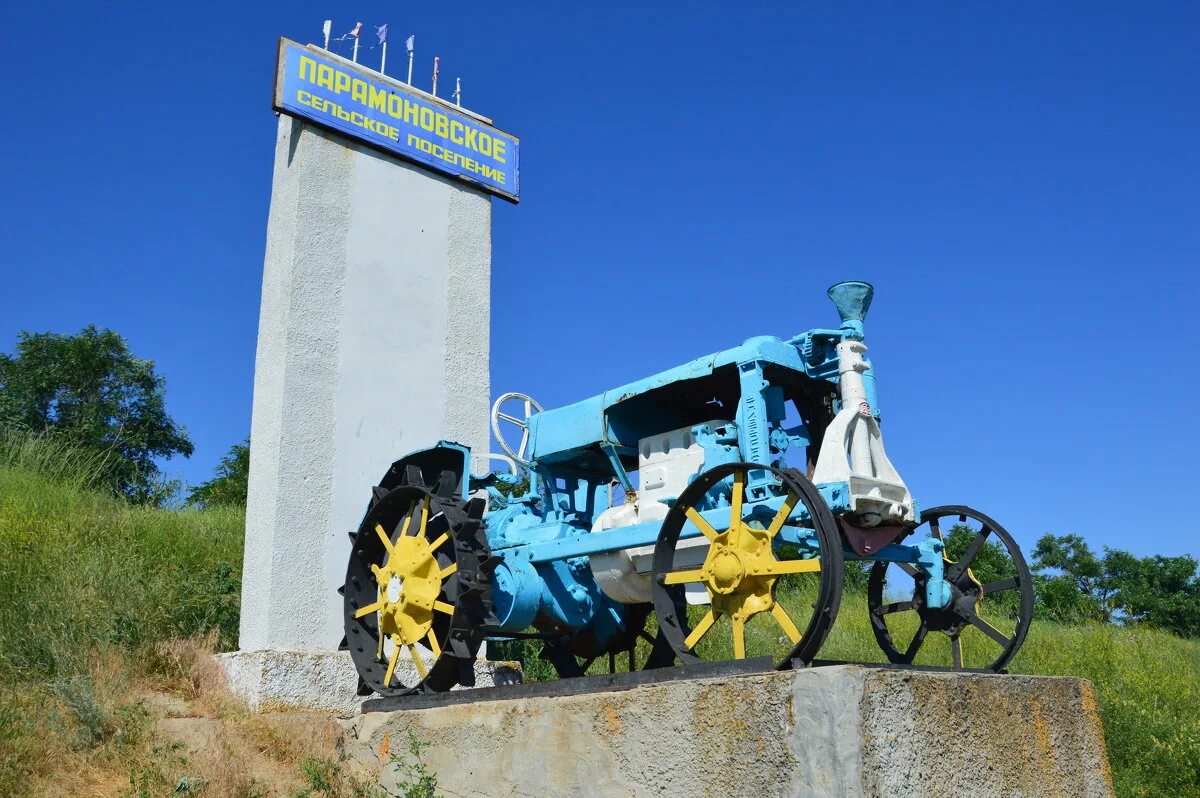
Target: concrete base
272, 680
843, 731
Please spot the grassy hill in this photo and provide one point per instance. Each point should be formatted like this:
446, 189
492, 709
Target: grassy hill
100, 601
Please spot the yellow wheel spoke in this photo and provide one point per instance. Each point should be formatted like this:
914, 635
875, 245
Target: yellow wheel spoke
387, 544
424, 516
370, 608
391, 668
701, 629
680, 577
431, 638
449, 569
442, 606
739, 638
379, 644
701, 524
781, 567
441, 539
407, 518
416, 658
735, 504
781, 517
785, 621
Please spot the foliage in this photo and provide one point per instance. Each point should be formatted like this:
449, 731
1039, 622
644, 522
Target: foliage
229, 483
90, 390
415, 780
1075, 584
325, 778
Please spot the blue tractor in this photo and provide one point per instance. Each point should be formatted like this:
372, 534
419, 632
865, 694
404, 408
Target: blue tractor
706, 513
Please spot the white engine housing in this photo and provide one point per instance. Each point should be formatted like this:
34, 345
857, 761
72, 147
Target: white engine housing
666, 464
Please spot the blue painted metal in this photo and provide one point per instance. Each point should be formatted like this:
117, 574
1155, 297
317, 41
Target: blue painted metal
544, 540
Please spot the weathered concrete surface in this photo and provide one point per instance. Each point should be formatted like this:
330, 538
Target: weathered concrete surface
271, 680
840, 731
372, 342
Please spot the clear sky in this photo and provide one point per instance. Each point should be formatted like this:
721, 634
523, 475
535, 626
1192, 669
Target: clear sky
1018, 180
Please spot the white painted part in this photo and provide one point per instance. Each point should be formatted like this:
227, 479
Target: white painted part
521, 422
273, 680
852, 450
373, 342
666, 465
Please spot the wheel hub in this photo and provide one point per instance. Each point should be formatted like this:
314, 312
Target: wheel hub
408, 584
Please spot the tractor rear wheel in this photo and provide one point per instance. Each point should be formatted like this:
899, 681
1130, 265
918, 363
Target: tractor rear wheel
414, 603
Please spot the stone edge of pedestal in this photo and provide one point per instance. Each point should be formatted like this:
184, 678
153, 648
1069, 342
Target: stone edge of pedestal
846, 731
270, 680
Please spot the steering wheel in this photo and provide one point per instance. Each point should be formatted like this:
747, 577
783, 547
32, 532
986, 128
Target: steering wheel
520, 422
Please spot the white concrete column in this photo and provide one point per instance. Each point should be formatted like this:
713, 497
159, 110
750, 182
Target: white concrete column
373, 342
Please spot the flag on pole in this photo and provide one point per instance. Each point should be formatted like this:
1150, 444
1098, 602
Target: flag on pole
381, 35
411, 44
353, 34
326, 28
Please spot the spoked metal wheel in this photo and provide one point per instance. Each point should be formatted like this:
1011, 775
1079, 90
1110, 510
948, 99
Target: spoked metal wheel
640, 646
991, 597
411, 598
730, 592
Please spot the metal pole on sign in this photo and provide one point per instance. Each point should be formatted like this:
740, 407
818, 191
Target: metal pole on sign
327, 28
411, 45
436, 61
354, 57
458, 92
383, 59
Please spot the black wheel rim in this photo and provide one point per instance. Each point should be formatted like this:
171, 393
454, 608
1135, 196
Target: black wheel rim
809, 598
991, 604
398, 661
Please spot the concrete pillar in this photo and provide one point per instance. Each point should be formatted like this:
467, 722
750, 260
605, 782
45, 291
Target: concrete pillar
373, 342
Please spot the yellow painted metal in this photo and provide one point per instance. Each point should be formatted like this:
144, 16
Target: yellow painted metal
739, 638
432, 642
416, 658
391, 668
409, 584
387, 543
785, 622
701, 629
701, 524
740, 570
680, 577
781, 517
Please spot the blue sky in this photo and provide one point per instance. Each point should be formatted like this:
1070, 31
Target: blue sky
1018, 180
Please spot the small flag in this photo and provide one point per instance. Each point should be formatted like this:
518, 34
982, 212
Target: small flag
326, 28
353, 34
381, 34
411, 44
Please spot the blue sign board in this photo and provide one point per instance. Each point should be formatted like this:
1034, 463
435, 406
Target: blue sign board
313, 84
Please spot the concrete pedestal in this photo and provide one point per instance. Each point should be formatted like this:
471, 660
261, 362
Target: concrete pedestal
373, 342
844, 732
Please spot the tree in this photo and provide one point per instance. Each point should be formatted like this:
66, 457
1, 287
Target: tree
230, 481
1073, 583
89, 389
1070, 583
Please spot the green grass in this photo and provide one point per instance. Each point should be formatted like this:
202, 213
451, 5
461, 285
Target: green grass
82, 574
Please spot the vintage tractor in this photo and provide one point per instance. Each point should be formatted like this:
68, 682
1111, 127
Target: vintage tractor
708, 512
